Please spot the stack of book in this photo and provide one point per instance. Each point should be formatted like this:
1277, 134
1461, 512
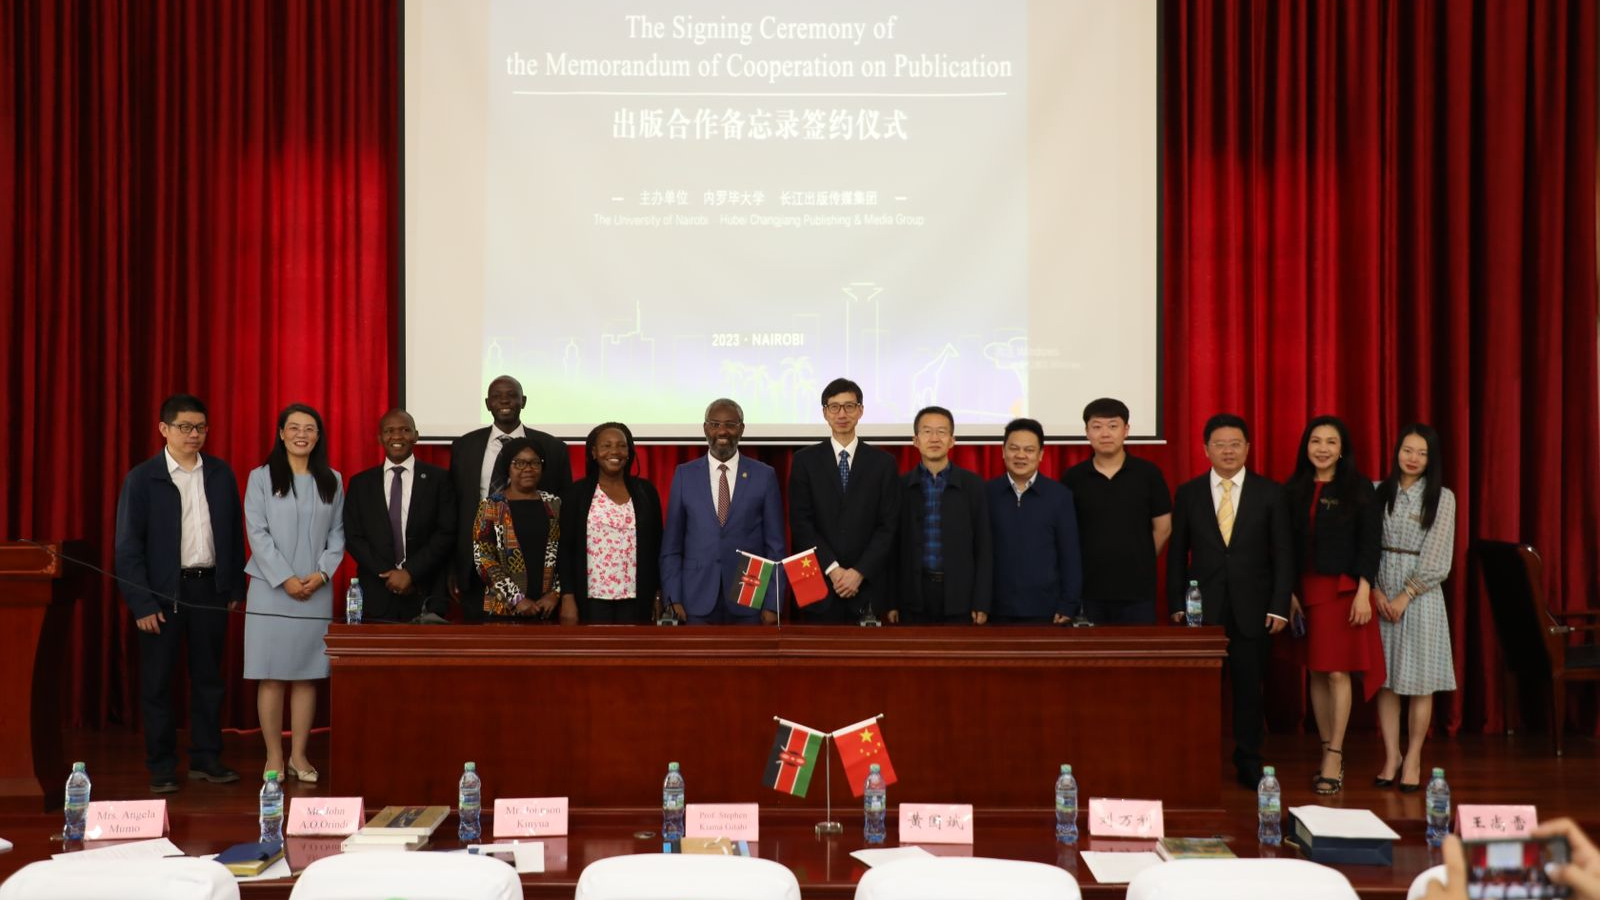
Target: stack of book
398, 828
1193, 848
248, 860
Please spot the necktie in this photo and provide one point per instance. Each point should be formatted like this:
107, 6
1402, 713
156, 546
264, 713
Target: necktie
724, 496
844, 469
1225, 512
396, 497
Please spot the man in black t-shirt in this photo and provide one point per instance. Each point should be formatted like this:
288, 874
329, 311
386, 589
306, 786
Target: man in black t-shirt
1124, 520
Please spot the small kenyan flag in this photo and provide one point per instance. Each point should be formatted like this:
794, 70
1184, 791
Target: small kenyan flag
755, 576
794, 757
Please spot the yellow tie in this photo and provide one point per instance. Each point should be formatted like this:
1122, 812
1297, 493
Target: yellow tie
1225, 512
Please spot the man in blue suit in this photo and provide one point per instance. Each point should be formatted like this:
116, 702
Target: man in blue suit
719, 505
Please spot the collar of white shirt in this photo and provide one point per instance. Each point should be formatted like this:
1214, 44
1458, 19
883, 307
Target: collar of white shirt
409, 464
850, 448
495, 434
174, 466
1237, 479
732, 464
1024, 489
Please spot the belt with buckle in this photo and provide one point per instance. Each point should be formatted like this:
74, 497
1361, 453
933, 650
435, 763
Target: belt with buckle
197, 572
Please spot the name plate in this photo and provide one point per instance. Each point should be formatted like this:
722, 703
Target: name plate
114, 820
327, 816
734, 821
935, 823
530, 817
1125, 818
1480, 823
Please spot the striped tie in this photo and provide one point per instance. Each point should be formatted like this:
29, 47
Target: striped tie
1225, 512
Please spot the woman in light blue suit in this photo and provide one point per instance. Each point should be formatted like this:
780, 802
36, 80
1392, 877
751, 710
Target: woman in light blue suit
294, 518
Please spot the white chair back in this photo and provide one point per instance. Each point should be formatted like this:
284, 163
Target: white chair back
966, 878
417, 875
173, 878
1419, 887
674, 876
1240, 879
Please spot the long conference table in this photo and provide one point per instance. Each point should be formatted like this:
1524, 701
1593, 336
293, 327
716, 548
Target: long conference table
970, 715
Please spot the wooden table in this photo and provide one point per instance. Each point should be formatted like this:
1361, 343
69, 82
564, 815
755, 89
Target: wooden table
971, 715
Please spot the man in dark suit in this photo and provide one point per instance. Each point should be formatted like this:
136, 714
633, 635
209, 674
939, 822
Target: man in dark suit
1231, 535
843, 500
472, 459
720, 504
945, 571
180, 561
400, 525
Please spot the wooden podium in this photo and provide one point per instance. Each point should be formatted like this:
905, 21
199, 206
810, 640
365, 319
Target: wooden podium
30, 710
971, 715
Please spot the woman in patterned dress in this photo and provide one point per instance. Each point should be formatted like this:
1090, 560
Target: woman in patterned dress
1419, 531
518, 523
611, 562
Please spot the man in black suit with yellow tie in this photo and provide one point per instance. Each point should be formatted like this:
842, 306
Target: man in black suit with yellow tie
843, 500
1230, 533
472, 459
400, 525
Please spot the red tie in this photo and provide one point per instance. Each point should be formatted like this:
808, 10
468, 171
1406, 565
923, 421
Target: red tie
724, 496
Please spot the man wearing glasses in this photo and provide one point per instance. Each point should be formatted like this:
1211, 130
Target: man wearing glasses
720, 504
180, 562
843, 500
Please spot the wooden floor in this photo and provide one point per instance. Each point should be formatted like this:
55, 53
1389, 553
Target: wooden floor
1492, 769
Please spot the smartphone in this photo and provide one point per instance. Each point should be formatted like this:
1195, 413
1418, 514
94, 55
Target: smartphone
1515, 869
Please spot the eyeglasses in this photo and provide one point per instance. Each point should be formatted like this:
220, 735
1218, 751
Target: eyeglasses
833, 409
307, 430
1227, 445
729, 426
188, 428
527, 463
935, 432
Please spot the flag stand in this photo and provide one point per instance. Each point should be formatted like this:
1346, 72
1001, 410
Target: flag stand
828, 825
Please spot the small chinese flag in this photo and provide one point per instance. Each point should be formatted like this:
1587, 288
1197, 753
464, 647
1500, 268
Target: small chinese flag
806, 580
795, 749
860, 745
755, 577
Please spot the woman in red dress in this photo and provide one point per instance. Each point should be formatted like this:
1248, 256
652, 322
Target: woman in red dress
1338, 529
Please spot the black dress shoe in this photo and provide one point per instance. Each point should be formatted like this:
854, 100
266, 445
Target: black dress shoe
163, 784
214, 772
1248, 779
1409, 788
1382, 782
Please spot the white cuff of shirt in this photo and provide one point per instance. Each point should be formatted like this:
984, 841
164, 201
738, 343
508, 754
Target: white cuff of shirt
831, 566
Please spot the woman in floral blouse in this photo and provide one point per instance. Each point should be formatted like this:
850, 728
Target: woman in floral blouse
610, 561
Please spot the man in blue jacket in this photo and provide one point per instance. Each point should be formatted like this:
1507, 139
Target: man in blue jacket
719, 504
180, 562
1038, 568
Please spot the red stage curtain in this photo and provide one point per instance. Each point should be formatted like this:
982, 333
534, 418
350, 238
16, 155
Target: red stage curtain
1383, 210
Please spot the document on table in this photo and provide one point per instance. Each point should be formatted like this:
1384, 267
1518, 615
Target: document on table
877, 856
1117, 868
1323, 821
526, 856
155, 848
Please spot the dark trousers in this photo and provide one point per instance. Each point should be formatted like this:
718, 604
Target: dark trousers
1021, 620
1247, 665
726, 612
933, 608
206, 629
1103, 612
593, 611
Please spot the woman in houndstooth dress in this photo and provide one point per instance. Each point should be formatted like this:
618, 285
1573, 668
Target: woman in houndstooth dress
1418, 547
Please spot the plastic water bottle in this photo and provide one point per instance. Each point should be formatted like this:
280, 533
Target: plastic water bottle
672, 804
271, 809
1066, 806
76, 806
1192, 604
469, 805
1438, 809
875, 804
1269, 808
352, 603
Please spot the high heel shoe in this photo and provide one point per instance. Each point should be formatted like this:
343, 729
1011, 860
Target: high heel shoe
1324, 785
309, 776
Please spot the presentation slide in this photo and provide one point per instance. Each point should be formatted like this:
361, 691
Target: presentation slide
637, 207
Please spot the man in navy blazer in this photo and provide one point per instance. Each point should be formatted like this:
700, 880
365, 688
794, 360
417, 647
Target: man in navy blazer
180, 562
403, 570
699, 550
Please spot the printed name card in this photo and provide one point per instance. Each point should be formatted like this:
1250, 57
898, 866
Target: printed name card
530, 817
1479, 823
734, 821
310, 816
1125, 818
113, 820
935, 823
